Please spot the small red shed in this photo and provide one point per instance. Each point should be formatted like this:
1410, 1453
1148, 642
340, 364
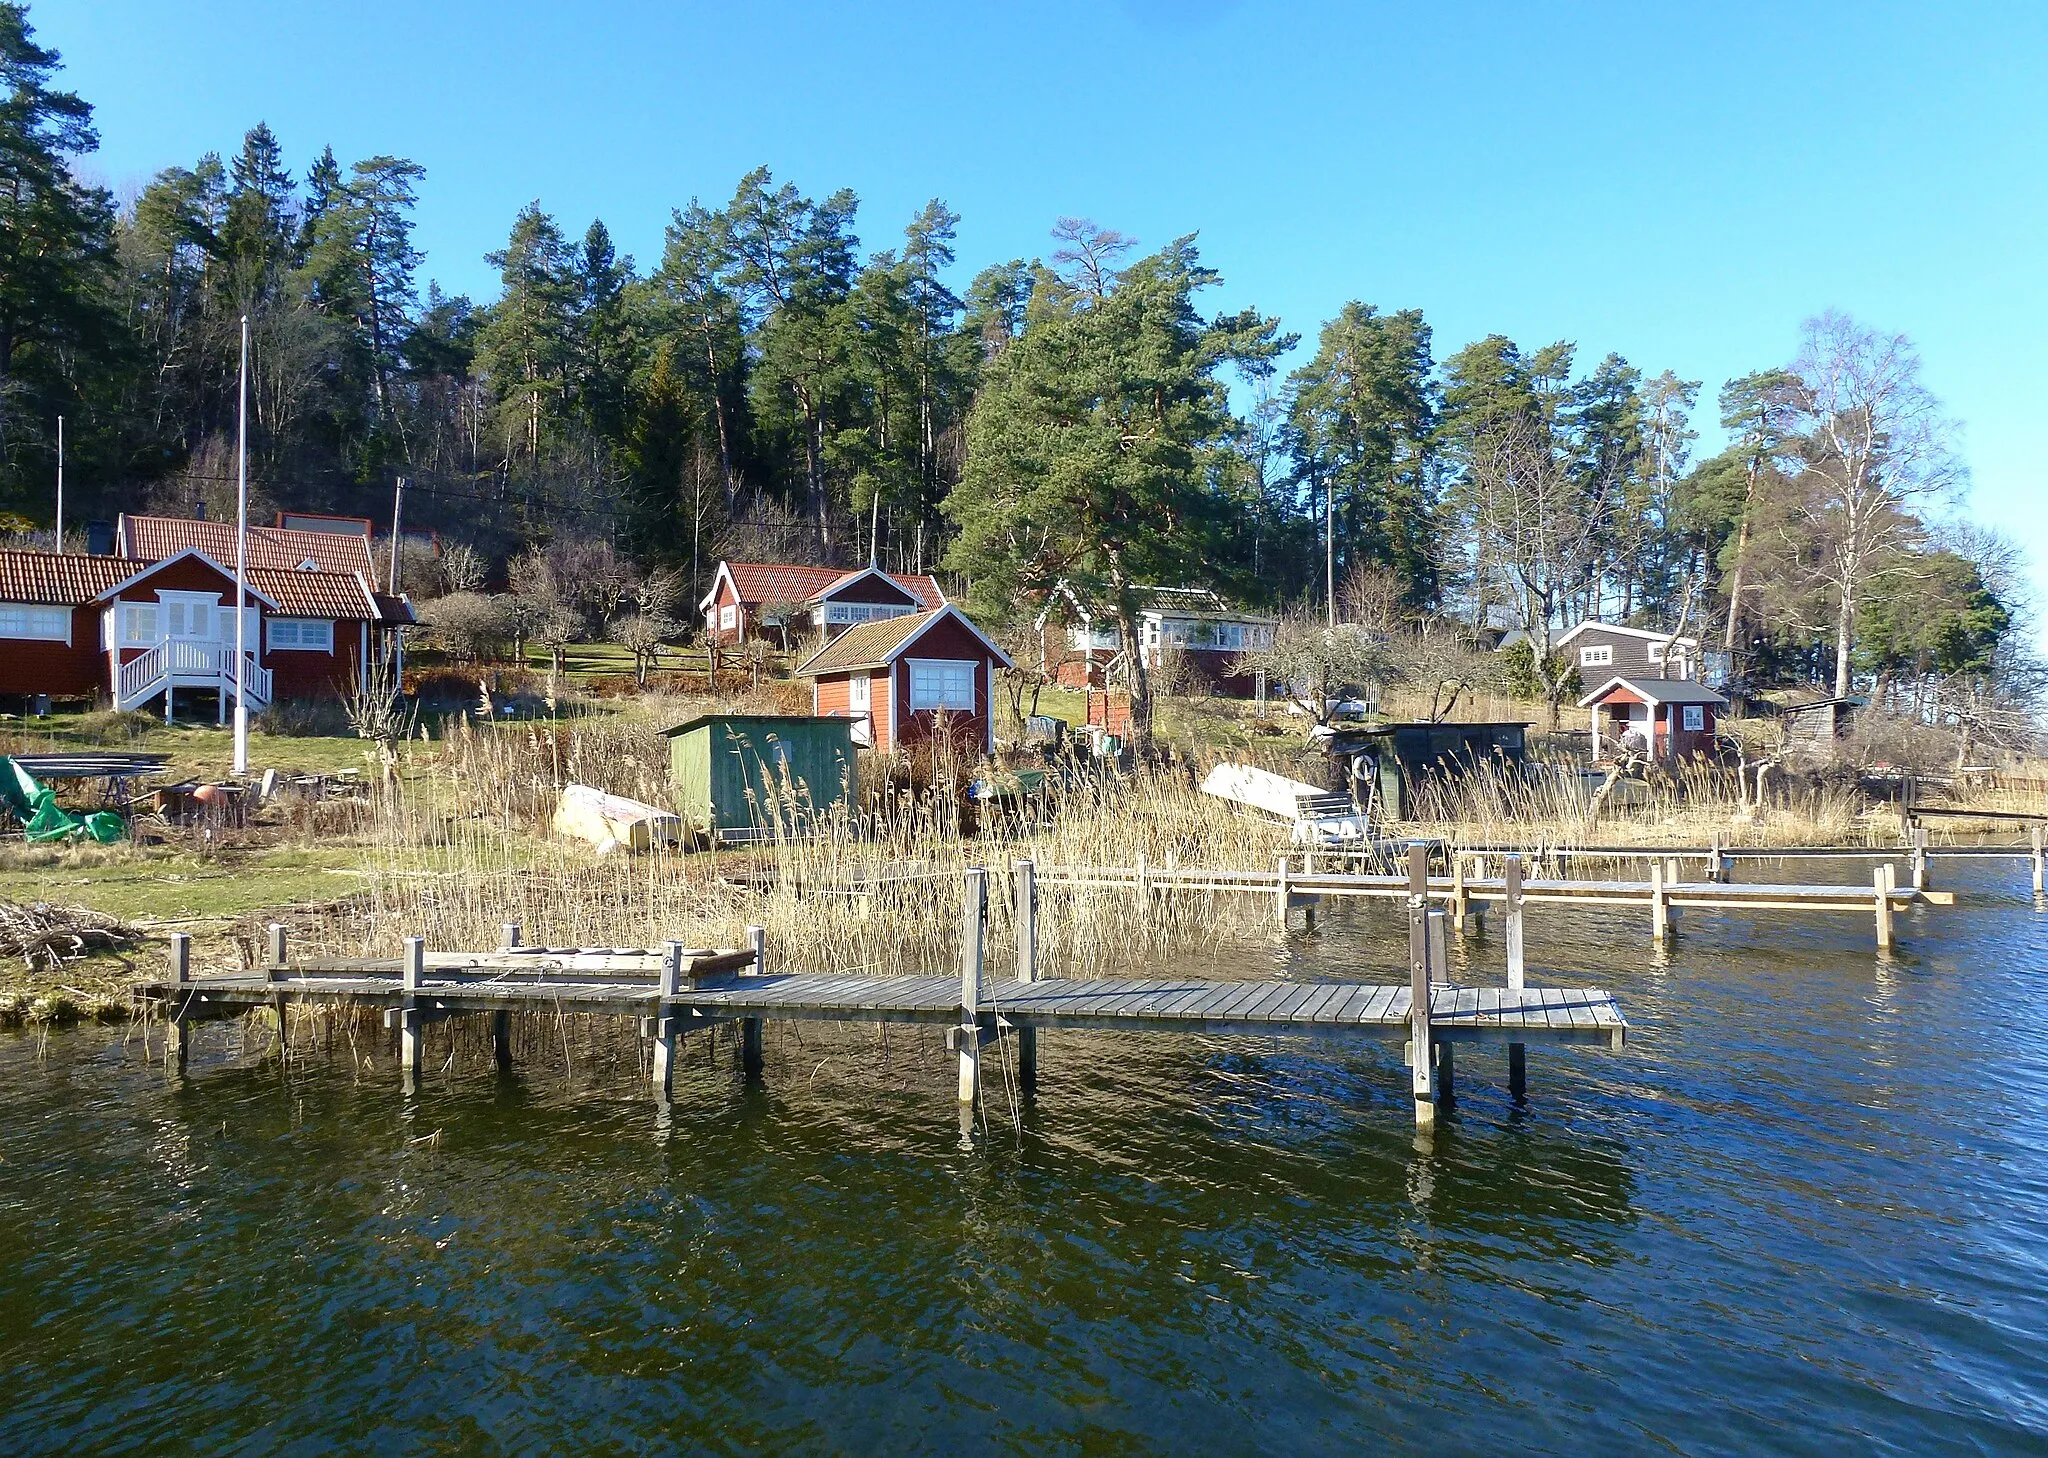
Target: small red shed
1672, 717
900, 675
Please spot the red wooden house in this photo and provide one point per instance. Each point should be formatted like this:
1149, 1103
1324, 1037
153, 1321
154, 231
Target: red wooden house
748, 598
899, 676
79, 626
1673, 718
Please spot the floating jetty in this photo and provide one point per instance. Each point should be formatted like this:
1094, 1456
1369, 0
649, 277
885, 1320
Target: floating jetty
676, 990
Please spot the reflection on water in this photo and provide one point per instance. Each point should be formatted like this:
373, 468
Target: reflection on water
1804, 1211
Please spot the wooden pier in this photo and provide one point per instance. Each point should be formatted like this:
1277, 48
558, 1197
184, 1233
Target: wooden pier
677, 990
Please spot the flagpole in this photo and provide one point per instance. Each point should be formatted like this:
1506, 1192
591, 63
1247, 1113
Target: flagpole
60, 483
242, 554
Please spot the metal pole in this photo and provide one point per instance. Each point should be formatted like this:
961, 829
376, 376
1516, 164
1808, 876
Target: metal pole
242, 555
60, 483
397, 509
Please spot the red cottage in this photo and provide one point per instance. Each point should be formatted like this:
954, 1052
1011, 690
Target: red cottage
1671, 717
897, 676
78, 626
806, 598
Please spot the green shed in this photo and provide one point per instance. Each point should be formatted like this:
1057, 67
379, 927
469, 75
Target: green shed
741, 777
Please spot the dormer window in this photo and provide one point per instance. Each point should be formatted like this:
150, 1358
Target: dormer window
309, 565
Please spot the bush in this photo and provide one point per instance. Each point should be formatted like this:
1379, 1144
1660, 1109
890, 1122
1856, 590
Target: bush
474, 627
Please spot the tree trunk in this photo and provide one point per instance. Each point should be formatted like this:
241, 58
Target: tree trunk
1741, 561
1845, 622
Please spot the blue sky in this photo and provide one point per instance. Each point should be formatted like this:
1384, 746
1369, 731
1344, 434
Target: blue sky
1683, 188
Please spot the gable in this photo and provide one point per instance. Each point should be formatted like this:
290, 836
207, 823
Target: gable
870, 586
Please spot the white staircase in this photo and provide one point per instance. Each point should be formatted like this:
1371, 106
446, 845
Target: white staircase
190, 663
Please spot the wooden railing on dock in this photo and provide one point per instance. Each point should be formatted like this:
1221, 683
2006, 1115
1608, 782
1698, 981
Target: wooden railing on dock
676, 990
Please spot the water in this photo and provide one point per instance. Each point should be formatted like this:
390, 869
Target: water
1804, 1212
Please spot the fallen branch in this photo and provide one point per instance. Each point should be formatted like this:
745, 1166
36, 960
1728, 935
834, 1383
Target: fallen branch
46, 936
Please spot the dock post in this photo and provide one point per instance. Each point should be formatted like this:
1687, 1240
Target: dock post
179, 1036
409, 1013
1458, 906
1511, 872
2040, 840
750, 1028
1027, 970
277, 1004
1660, 908
1715, 860
973, 917
1919, 864
1881, 877
501, 1021
1422, 1058
665, 1022
1281, 899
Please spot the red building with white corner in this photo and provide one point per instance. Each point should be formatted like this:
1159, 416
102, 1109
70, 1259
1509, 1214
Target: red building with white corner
131, 632
900, 678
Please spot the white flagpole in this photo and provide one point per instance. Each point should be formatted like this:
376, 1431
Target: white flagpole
242, 555
60, 483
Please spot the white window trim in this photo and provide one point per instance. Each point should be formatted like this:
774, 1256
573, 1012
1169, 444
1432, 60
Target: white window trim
297, 643
125, 632
49, 614
1597, 656
917, 706
728, 617
860, 694
1694, 718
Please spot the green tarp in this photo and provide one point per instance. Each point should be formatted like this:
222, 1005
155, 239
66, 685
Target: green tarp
35, 806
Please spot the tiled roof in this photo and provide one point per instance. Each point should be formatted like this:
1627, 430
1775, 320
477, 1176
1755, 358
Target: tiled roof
867, 645
786, 582
73, 579
61, 579
153, 538
314, 594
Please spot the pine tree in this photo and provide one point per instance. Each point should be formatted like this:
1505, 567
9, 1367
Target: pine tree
527, 343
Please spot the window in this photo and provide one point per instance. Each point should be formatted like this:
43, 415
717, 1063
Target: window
858, 690
941, 683
1657, 652
1230, 635
138, 624
307, 635
1596, 657
727, 616
863, 612
26, 620
189, 614
1695, 717
1095, 636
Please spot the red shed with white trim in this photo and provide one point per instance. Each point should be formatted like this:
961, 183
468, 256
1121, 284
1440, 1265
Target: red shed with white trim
900, 675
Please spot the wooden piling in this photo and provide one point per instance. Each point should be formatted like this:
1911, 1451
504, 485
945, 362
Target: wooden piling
1027, 970
1716, 862
1881, 878
2040, 841
1922, 863
1660, 905
501, 1021
973, 923
1511, 873
1282, 895
1459, 901
750, 1028
415, 970
665, 1021
178, 1038
1422, 1061
279, 1008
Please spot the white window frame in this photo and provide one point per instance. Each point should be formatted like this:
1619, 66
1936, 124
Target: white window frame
948, 671
1656, 651
126, 617
191, 609
864, 612
37, 622
1597, 655
860, 694
1231, 637
292, 635
1694, 718
728, 617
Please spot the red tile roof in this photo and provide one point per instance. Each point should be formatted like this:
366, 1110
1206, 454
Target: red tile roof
153, 538
760, 582
61, 579
73, 579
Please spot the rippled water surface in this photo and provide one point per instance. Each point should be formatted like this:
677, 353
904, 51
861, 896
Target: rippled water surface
1805, 1211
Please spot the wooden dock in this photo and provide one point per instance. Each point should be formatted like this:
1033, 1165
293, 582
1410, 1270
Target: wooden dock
678, 990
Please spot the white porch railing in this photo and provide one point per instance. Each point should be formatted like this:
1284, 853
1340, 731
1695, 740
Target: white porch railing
189, 663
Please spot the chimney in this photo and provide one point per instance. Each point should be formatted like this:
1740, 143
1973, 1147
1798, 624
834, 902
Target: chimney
99, 538
199, 511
